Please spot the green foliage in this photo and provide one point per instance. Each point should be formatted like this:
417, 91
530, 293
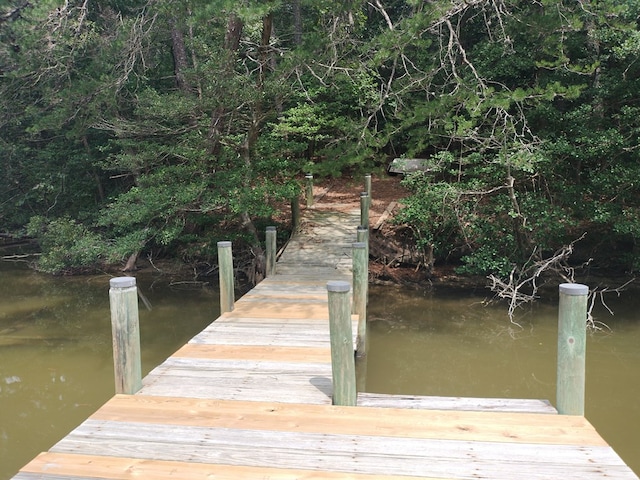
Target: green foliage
466, 215
67, 246
102, 122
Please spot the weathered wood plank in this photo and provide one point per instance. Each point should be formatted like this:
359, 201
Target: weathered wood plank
284, 292
379, 400
318, 390
241, 380
203, 367
277, 300
268, 334
343, 453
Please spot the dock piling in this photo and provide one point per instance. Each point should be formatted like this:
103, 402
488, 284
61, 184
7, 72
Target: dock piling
364, 209
295, 213
367, 186
342, 355
309, 189
225, 272
360, 290
125, 329
270, 241
362, 235
572, 317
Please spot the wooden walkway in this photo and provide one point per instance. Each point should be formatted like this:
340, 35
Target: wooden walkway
250, 398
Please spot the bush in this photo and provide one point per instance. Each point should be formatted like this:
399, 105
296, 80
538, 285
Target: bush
67, 246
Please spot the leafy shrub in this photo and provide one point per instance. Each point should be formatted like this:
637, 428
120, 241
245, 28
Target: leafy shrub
67, 246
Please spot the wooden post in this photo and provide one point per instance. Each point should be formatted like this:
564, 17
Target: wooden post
295, 213
360, 290
367, 186
309, 189
225, 271
270, 241
125, 329
342, 355
362, 235
364, 209
572, 336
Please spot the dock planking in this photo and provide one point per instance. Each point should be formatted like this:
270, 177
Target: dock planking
250, 397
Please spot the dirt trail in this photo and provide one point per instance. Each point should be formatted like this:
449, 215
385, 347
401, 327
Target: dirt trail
394, 258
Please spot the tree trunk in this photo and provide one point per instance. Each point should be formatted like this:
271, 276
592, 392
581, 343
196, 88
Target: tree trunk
523, 240
234, 33
94, 173
256, 271
297, 22
231, 45
179, 50
130, 266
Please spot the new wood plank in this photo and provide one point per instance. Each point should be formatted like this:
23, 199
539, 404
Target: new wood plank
279, 310
57, 465
501, 427
257, 352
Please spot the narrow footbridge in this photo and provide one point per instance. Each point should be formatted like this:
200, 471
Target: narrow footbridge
250, 397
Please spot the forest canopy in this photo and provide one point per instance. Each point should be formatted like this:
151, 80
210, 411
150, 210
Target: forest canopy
158, 126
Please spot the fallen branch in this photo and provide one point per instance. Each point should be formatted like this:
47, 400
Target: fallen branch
20, 256
599, 294
386, 214
523, 283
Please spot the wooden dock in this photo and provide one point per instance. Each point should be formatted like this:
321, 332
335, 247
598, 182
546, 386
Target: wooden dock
250, 397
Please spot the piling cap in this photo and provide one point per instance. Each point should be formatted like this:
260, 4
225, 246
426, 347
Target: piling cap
122, 282
271, 229
224, 244
573, 289
364, 194
338, 286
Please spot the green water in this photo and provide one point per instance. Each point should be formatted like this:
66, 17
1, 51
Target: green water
56, 359
56, 364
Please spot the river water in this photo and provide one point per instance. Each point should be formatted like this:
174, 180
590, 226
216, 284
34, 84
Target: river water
56, 363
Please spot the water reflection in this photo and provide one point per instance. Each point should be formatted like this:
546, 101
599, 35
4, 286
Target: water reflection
56, 364
427, 343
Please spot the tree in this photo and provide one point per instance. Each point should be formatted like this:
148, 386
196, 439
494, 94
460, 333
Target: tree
156, 124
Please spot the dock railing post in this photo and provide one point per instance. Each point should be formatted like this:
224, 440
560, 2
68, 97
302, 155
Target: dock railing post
125, 329
362, 235
270, 241
364, 209
367, 186
342, 354
572, 336
225, 272
360, 290
309, 189
295, 213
